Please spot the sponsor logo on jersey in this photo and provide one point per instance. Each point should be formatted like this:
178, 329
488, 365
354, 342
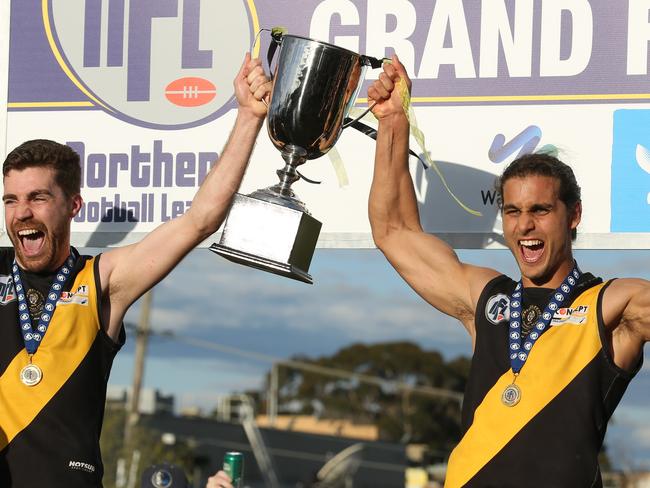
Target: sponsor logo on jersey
78, 297
7, 292
81, 466
570, 315
497, 309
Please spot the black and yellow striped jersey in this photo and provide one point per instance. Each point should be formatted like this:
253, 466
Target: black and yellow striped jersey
570, 387
49, 433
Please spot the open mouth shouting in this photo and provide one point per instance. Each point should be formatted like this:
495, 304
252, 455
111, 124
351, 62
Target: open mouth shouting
31, 241
531, 250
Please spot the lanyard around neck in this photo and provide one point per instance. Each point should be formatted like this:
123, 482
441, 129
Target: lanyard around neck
519, 352
31, 337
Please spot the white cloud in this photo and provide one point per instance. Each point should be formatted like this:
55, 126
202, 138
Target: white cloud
193, 381
234, 297
642, 436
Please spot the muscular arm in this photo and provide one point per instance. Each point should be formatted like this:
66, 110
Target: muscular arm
128, 272
626, 313
426, 263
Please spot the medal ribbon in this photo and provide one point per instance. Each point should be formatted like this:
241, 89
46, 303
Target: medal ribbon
519, 352
31, 337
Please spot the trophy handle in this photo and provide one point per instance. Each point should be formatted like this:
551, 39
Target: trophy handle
365, 112
277, 34
373, 63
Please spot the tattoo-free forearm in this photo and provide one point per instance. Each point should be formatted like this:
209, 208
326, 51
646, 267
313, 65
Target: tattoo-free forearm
213, 199
392, 197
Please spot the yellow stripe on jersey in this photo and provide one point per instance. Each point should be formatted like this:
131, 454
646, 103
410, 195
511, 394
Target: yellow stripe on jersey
546, 373
72, 332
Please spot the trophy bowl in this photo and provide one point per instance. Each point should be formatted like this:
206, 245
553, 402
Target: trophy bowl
315, 84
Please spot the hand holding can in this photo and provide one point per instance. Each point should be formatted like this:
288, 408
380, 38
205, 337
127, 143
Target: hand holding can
233, 466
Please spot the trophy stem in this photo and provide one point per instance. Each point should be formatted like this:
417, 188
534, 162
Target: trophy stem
281, 193
293, 157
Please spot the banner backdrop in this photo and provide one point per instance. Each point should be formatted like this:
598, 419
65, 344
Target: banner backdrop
142, 90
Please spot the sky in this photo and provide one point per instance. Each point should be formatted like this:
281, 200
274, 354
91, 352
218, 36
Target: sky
356, 297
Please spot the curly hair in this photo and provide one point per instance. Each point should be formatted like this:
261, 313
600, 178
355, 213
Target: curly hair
45, 153
542, 164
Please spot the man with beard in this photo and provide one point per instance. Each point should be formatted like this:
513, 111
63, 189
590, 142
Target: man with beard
552, 352
61, 313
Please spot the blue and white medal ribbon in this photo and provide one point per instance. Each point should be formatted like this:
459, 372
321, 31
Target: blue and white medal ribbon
519, 352
31, 374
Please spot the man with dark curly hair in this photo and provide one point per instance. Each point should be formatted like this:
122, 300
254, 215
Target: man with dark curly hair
553, 351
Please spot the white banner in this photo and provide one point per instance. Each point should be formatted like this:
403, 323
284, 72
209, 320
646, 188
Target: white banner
491, 79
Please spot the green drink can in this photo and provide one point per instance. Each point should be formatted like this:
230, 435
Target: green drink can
233, 465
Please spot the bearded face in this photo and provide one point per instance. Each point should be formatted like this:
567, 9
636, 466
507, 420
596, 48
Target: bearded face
37, 217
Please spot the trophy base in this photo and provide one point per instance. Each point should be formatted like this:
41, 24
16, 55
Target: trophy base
275, 267
270, 237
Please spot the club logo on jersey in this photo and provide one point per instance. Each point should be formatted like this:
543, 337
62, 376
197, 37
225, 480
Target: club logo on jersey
569, 315
497, 308
165, 64
7, 293
79, 297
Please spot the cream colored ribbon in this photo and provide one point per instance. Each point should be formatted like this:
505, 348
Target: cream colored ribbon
339, 167
418, 135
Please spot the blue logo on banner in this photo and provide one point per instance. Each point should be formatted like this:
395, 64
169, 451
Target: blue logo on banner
164, 64
631, 171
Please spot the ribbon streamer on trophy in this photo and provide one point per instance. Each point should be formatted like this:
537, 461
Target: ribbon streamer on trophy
417, 134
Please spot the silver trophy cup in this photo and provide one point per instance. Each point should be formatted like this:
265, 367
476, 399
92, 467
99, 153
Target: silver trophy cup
314, 86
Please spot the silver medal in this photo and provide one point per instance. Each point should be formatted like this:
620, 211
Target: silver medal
511, 395
31, 375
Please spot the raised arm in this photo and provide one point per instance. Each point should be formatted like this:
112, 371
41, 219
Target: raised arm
128, 272
427, 263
